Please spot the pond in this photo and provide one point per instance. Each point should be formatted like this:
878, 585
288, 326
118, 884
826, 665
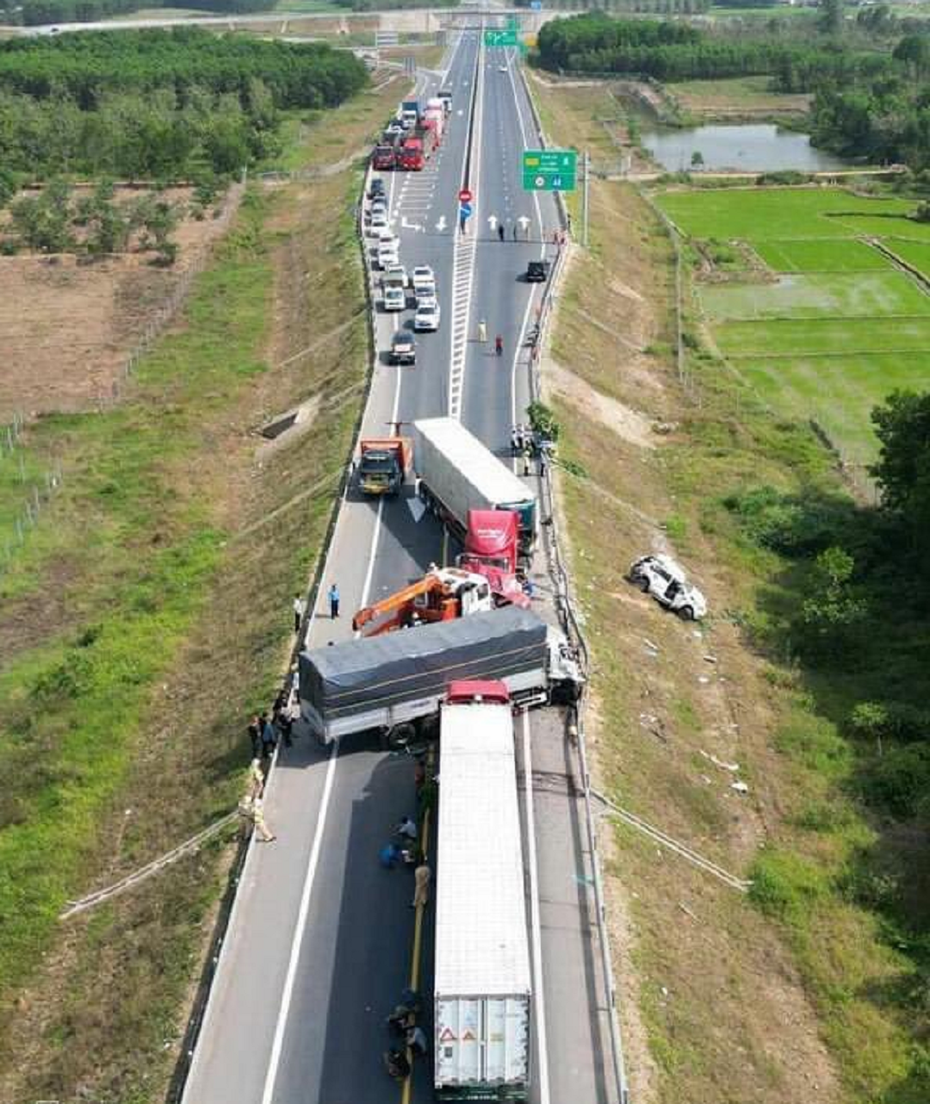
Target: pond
761, 147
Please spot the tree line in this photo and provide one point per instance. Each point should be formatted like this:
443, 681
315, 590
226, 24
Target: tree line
85, 66
33, 13
669, 51
96, 224
157, 105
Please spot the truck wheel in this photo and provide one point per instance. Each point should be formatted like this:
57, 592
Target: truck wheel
686, 613
400, 736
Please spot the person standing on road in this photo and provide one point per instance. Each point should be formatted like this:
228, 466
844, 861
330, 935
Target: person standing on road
499, 345
333, 602
500, 231
482, 331
421, 878
269, 739
284, 723
258, 819
256, 780
514, 231
298, 612
255, 736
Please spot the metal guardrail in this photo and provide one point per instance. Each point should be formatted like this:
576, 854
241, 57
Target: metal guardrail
567, 614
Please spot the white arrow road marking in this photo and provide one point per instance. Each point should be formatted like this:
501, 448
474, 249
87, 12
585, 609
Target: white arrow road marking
492, 222
416, 508
441, 225
405, 225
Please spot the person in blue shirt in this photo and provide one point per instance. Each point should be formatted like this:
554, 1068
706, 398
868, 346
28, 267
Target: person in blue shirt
334, 601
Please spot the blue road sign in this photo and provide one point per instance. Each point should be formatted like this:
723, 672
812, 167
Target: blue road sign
465, 210
536, 5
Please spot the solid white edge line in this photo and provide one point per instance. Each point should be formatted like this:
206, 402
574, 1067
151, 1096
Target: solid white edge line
297, 939
539, 1000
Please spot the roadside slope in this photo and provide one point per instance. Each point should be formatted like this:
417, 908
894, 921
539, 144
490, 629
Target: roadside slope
724, 1000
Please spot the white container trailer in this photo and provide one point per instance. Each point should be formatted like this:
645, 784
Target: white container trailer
457, 473
482, 968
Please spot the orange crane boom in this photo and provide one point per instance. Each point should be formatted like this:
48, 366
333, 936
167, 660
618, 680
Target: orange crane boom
438, 596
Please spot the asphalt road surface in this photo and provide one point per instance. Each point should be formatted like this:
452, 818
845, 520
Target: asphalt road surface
320, 942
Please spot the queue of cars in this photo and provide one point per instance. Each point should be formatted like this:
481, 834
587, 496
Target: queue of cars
400, 290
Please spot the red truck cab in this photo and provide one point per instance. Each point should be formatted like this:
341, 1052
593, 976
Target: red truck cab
383, 157
410, 156
492, 547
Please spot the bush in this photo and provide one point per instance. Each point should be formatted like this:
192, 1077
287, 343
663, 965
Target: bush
785, 885
899, 781
784, 176
791, 525
890, 721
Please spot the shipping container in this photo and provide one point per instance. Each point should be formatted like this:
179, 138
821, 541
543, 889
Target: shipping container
457, 473
482, 990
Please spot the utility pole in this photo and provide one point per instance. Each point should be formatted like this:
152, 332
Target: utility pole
584, 222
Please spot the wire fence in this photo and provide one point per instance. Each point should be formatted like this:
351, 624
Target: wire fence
30, 491
168, 311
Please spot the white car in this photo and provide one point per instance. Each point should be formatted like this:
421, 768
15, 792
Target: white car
425, 293
423, 274
427, 317
661, 577
387, 256
394, 298
379, 219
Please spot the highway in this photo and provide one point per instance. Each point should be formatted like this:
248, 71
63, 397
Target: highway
320, 942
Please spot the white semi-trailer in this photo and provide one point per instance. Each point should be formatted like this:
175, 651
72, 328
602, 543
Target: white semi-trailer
457, 473
482, 967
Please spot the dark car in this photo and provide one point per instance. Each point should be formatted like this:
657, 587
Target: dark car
537, 272
377, 188
403, 348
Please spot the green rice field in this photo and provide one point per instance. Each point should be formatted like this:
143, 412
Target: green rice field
838, 324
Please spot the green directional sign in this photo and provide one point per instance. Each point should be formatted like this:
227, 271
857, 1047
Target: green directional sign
549, 170
510, 37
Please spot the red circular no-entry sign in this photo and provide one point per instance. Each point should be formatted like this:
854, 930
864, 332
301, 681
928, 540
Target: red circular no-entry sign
465, 196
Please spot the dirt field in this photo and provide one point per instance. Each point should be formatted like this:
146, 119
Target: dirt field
739, 98
69, 323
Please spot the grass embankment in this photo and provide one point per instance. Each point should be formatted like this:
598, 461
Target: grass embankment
178, 539
812, 987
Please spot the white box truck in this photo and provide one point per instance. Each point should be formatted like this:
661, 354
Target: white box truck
457, 473
482, 986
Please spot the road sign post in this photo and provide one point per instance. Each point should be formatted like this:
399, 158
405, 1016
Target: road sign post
550, 170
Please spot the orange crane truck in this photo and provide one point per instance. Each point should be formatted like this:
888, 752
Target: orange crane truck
443, 594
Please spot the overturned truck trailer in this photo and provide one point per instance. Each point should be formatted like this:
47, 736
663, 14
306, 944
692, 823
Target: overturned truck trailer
393, 682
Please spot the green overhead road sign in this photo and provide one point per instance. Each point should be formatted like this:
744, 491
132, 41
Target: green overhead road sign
509, 37
549, 170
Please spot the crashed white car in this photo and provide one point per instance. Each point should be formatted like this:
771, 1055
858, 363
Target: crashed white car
664, 579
